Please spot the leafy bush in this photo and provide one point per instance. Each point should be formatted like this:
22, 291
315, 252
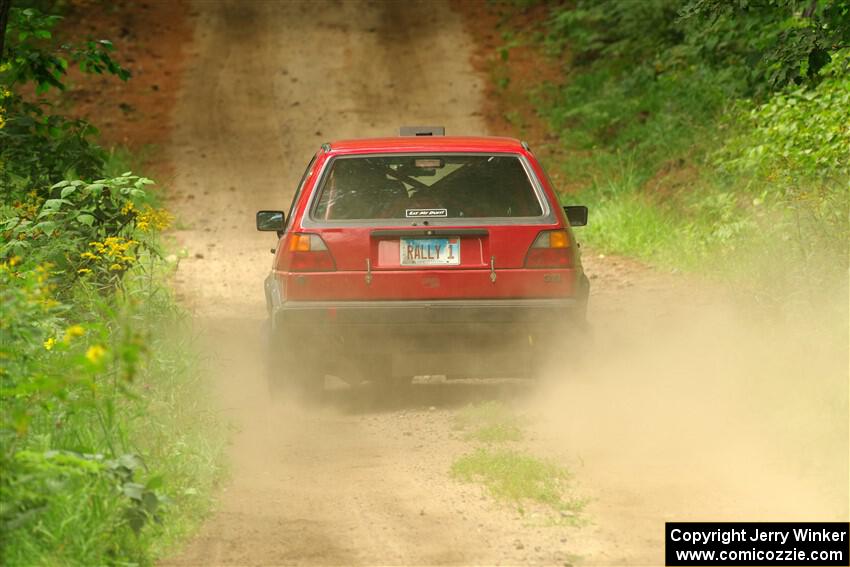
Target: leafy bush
710, 135
105, 445
103, 439
766, 45
93, 230
64, 145
800, 133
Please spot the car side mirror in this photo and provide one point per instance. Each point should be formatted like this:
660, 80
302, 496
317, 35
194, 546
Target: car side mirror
576, 214
271, 221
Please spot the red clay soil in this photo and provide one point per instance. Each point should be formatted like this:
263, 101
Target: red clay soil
149, 38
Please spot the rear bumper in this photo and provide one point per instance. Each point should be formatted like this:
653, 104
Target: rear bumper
396, 326
342, 314
452, 337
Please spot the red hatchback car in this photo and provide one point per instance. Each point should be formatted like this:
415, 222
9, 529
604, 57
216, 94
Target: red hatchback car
422, 255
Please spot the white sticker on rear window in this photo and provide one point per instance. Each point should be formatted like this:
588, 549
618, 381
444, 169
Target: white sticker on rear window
415, 213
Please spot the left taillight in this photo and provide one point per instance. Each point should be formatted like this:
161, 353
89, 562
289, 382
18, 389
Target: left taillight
551, 249
306, 253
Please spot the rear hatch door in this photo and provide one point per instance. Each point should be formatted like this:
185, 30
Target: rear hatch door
427, 226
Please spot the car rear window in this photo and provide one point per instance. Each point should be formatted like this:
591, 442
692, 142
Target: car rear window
426, 186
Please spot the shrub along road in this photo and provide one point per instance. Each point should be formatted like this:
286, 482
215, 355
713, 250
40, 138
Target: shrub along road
652, 426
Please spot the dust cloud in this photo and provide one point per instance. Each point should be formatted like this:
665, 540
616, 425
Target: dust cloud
695, 404
690, 403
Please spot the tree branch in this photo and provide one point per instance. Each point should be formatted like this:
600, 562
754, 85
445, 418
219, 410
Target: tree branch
5, 5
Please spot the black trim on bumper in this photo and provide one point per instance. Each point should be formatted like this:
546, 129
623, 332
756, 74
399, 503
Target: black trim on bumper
429, 312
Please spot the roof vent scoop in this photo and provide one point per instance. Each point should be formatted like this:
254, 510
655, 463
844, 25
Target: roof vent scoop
422, 131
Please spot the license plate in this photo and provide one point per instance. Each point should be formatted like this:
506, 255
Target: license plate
430, 251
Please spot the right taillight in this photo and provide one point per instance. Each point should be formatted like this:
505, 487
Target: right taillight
307, 253
551, 249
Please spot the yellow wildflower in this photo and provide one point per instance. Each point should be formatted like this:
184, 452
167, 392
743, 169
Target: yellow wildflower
115, 268
95, 353
88, 256
14, 261
43, 273
73, 331
76, 331
150, 218
84, 271
49, 343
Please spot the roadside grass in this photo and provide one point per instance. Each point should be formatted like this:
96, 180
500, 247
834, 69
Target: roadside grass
516, 477
718, 203
496, 433
639, 152
169, 417
781, 250
488, 422
510, 474
178, 429
117, 467
109, 445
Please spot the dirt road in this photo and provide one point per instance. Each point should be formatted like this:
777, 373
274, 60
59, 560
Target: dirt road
652, 433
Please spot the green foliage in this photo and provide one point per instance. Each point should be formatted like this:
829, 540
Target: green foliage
36, 145
106, 448
765, 45
516, 477
65, 146
787, 42
616, 30
801, 133
654, 117
710, 135
94, 230
28, 58
489, 422
496, 433
509, 475
103, 439
652, 77
27, 498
